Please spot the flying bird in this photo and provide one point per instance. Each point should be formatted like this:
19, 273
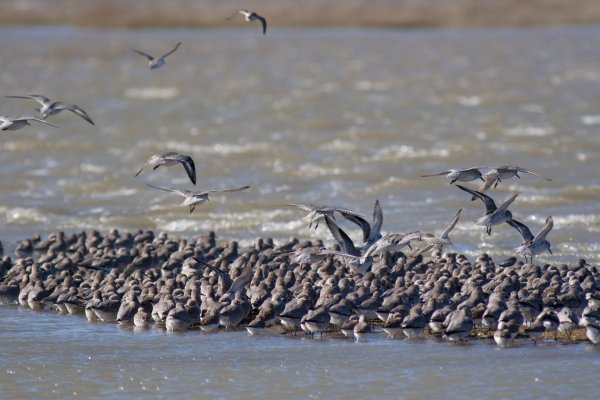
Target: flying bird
153, 62
493, 215
194, 198
317, 213
498, 174
532, 245
49, 107
169, 159
251, 17
13, 123
459, 174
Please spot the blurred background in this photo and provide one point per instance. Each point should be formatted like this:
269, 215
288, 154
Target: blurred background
374, 13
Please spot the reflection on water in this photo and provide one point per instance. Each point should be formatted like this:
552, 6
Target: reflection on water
39, 350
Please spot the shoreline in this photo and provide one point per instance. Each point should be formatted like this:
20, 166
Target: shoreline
374, 13
180, 284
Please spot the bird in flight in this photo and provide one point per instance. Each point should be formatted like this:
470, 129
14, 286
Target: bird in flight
169, 159
192, 199
157, 62
49, 107
250, 17
13, 123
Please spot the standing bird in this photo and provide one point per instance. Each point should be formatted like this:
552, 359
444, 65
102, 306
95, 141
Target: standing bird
194, 198
493, 215
13, 123
153, 62
49, 107
532, 245
460, 174
251, 17
169, 159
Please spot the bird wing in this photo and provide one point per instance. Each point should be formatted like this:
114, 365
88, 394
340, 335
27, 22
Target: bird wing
186, 161
526, 171
377, 222
452, 225
341, 238
486, 184
541, 236
59, 105
212, 268
148, 56
263, 22
523, 230
304, 207
37, 97
422, 250
446, 172
508, 201
226, 190
29, 118
490, 206
171, 51
179, 192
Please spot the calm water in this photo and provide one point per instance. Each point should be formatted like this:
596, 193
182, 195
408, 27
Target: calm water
330, 116
67, 357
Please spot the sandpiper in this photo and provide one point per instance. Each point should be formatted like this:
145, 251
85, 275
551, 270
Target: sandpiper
317, 213
507, 172
169, 159
153, 62
493, 215
532, 245
16, 122
194, 198
350, 253
431, 240
459, 174
250, 17
49, 107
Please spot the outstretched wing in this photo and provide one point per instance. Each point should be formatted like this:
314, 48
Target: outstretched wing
227, 190
148, 56
171, 51
29, 118
377, 222
526, 171
523, 230
341, 238
179, 192
490, 206
263, 22
186, 161
541, 236
452, 225
59, 105
446, 172
37, 97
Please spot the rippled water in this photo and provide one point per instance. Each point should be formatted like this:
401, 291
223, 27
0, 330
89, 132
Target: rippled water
329, 116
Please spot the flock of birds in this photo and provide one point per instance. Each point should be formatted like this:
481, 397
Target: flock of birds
300, 285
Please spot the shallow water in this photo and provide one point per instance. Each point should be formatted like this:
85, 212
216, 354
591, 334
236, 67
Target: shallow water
330, 116
66, 357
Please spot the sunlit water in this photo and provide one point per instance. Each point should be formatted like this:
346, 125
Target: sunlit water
328, 116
